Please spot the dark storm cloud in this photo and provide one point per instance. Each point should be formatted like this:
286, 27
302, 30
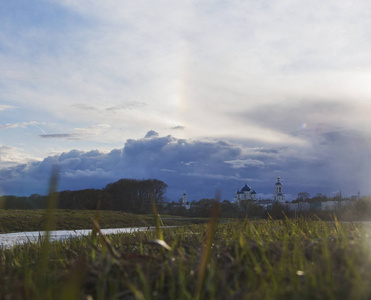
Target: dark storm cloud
114, 108
58, 136
289, 116
333, 161
126, 106
151, 134
198, 166
178, 127
82, 106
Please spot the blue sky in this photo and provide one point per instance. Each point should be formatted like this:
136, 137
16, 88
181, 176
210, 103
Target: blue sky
204, 95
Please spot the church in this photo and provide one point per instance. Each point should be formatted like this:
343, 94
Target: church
246, 193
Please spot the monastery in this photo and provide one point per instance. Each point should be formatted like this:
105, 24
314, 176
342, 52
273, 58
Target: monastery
247, 193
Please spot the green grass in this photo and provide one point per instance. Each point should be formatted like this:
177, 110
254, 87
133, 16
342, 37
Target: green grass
35, 220
238, 260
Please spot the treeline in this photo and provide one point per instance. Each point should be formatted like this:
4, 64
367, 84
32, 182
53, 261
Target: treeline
135, 196
203, 208
354, 210
130, 195
305, 197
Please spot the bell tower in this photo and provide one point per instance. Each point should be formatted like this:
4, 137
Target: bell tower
278, 194
184, 201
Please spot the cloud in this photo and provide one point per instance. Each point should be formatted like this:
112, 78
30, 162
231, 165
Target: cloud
202, 167
281, 83
6, 107
82, 106
126, 106
151, 134
58, 136
212, 176
98, 173
155, 157
17, 125
79, 133
12, 156
239, 163
288, 117
166, 170
105, 109
178, 127
92, 130
170, 73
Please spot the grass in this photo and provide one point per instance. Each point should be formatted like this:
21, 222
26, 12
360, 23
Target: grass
35, 220
265, 259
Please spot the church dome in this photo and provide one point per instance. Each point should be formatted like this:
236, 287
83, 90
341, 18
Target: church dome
253, 192
246, 188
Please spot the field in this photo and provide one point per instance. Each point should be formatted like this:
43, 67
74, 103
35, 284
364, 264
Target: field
13, 220
268, 259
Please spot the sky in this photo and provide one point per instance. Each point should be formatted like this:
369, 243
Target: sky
204, 95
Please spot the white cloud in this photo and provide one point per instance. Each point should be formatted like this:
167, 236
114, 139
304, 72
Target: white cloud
12, 156
79, 174
166, 170
172, 65
6, 107
243, 163
94, 130
16, 125
212, 176
87, 133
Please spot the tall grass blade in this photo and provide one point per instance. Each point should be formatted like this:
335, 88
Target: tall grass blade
156, 216
137, 293
106, 242
43, 279
2, 202
94, 232
337, 225
52, 202
161, 243
50, 213
206, 252
72, 288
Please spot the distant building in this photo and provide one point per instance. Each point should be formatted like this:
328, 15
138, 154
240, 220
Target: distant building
266, 204
300, 206
278, 193
246, 193
184, 201
330, 205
